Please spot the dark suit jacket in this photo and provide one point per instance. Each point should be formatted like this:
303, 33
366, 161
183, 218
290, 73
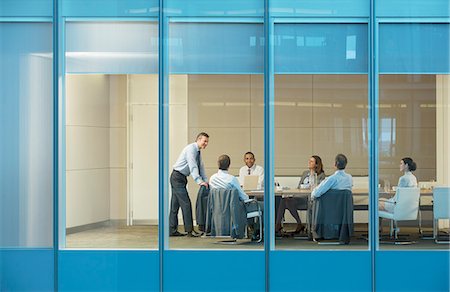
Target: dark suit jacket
332, 215
226, 214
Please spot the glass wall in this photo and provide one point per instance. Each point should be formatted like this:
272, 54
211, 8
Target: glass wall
321, 109
111, 135
413, 129
216, 87
26, 128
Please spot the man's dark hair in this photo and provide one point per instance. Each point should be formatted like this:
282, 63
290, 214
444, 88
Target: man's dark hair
224, 162
202, 134
249, 152
340, 161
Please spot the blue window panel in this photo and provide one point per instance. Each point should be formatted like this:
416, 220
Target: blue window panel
412, 270
320, 8
216, 48
26, 147
414, 48
320, 48
413, 8
26, 270
229, 8
222, 270
110, 8
112, 47
108, 270
320, 270
35, 8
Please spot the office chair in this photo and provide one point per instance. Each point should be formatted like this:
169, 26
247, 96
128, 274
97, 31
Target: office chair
406, 207
254, 211
441, 209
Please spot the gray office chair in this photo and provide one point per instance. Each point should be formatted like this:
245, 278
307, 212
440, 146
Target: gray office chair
254, 211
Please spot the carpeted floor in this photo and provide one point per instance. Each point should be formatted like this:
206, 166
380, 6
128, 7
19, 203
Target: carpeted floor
146, 237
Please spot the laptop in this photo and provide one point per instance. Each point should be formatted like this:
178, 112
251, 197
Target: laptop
250, 182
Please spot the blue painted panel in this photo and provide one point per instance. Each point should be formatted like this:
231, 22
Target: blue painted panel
110, 8
321, 48
412, 271
112, 47
320, 271
40, 8
26, 111
229, 8
413, 8
208, 48
414, 48
326, 8
26, 270
214, 270
108, 270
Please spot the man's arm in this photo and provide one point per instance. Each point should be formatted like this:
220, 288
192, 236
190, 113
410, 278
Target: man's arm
323, 187
261, 177
191, 157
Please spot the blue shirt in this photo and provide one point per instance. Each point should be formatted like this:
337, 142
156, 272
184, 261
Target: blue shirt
223, 180
338, 181
187, 163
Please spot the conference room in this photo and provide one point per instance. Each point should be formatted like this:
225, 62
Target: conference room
320, 107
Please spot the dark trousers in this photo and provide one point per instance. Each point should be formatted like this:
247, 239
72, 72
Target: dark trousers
180, 199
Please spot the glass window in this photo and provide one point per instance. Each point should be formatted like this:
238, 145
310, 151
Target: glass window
413, 132
216, 87
111, 135
26, 128
321, 110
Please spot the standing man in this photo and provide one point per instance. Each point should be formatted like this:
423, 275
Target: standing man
188, 163
250, 168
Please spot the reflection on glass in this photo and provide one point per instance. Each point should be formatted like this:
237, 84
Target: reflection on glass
26, 131
111, 131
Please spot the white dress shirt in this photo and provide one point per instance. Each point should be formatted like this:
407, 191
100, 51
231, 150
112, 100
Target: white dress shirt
254, 170
340, 180
223, 180
408, 180
187, 163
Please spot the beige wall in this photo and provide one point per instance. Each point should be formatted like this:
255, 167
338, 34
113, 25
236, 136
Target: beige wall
95, 148
409, 103
87, 149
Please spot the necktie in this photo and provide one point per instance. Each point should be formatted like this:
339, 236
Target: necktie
249, 171
198, 160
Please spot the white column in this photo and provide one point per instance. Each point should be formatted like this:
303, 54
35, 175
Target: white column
443, 133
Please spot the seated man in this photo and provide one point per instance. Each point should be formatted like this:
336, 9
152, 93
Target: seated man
333, 217
223, 180
340, 180
250, 168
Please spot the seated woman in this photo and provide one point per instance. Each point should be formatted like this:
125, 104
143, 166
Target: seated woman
408, 180
315, 166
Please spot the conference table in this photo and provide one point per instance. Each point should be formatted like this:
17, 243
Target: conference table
304, 193
360, 196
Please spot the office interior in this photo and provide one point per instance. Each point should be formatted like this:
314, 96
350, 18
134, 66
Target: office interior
85, 173
111, 123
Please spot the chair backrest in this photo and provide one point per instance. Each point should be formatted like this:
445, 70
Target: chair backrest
441, 203
407, 203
